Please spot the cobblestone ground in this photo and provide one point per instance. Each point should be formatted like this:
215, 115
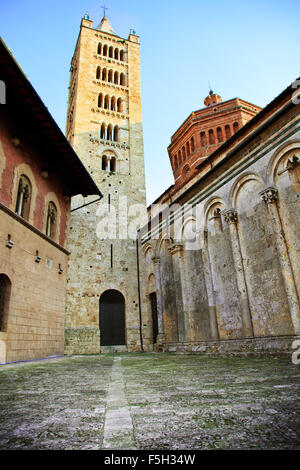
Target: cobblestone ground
150, 401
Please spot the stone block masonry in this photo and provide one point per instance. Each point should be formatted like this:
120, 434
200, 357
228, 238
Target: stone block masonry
109, 141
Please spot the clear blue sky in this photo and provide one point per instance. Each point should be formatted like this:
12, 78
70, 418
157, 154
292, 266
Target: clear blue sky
246, 49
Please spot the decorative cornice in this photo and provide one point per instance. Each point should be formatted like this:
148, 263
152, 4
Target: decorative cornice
32, 228
110, 113
110, 143
269, 195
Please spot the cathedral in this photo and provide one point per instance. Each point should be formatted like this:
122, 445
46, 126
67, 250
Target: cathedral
211, 266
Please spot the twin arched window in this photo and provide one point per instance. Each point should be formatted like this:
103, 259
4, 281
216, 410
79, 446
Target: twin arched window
23, 197
51, 220
23, 202
109, 164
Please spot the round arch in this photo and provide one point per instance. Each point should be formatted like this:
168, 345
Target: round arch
5, 293
280, 157
245, 178
112, 318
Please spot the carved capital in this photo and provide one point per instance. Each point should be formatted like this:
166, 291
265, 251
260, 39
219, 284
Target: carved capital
231, 216
156, 260
269, 195
175, 248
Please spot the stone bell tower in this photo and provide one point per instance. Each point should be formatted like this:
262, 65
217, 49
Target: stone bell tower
104, 125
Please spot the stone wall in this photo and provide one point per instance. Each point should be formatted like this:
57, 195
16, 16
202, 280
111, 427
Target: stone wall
229, 278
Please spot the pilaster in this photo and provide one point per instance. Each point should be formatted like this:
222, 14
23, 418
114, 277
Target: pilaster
270, 198
176, 250
231, 217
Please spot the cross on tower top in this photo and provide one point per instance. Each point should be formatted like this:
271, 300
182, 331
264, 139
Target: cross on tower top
104, 10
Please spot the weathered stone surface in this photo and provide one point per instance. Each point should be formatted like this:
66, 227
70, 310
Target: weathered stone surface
237, 273
151, 401
102, 235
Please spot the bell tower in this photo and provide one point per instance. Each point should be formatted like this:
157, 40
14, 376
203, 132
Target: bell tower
104, 125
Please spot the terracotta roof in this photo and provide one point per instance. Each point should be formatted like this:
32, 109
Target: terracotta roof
257, 120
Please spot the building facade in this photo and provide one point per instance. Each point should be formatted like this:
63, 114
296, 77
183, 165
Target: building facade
220, 255
104, 125
39, 173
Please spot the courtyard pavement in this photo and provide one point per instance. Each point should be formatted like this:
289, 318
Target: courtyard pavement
150, 402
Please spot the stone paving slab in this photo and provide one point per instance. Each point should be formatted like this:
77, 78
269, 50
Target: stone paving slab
151, 401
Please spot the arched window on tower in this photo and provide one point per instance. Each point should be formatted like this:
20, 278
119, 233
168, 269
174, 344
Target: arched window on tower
98, 73
219, 134
179, 157
116, 134
122, 79
99, 50
102, 131
211, 137
203, 139
235, 127
51, 220
111, 52
122, 56
188, 149
110, 76
104, 163
112, 165
106, 102
100, 101
175, 162
116, 78
119, 105
227, 131
183, 153
104, 74
192, 144
109, 132
23, 197
113, 104
105, 50
117, 54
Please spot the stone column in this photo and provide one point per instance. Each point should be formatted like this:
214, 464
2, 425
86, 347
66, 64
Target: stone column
270, 197
210, 288
231, 217
181, 291
160, 322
